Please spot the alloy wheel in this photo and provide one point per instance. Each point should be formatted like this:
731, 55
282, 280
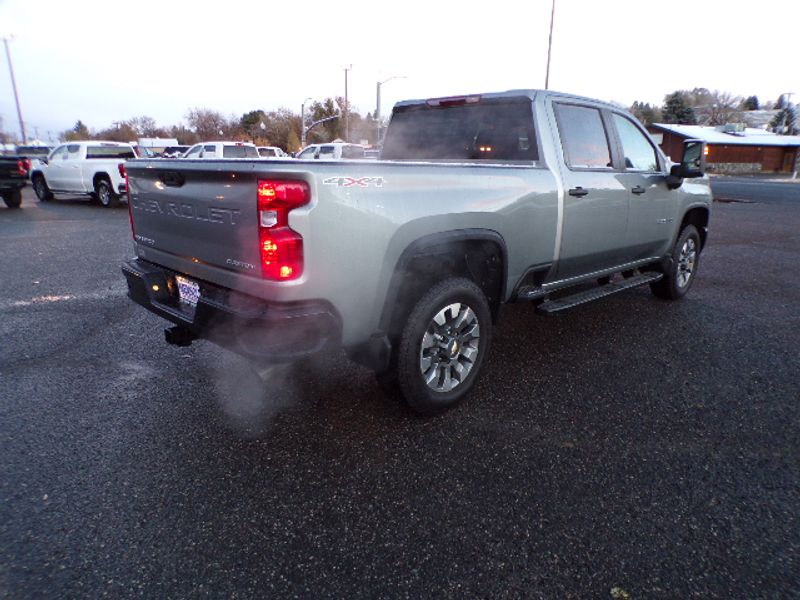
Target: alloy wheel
449, 347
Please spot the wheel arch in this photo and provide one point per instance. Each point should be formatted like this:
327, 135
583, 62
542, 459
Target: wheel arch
99, 176
479, 255
699, 217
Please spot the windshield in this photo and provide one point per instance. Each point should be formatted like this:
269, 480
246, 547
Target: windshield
486, 131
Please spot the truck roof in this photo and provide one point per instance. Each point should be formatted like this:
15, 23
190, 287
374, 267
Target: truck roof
96, 142
479, 97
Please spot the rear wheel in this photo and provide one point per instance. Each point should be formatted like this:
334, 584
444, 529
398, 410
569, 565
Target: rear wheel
12, 198
105, 193
683, 268
443, 346
43, 192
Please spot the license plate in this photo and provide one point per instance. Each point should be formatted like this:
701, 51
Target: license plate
188, 290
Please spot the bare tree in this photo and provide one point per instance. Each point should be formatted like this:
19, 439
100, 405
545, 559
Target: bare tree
717, 107
208, 124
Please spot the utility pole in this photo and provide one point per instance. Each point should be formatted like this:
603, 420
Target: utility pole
14, 86
346, 108
550, 46
378, 105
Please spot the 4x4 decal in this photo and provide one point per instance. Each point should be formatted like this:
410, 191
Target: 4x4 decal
361, 182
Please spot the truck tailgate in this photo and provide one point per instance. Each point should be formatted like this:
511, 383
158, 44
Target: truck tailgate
203, 212
10, 173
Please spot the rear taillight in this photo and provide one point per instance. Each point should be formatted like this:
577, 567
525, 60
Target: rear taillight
23, 166
280, 247
122, 171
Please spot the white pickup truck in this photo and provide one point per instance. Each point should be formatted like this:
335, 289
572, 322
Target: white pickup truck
95, 168
209, 150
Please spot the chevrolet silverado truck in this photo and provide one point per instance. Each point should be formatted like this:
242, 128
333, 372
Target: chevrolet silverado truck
94, 168
404, 262
13, 177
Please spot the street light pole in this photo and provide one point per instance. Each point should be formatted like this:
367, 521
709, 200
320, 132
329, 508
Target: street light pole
346, 108
303, 123
14, 87
550, 46
378, 105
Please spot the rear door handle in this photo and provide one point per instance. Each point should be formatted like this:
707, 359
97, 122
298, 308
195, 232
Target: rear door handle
638, 190
578, 191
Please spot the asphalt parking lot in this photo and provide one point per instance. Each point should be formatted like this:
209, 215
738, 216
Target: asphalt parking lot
631, 448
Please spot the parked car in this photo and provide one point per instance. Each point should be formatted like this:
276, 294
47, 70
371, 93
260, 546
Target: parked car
222, 150
152, 147
94, 168
477, 201
174, 151
331, 151
271, 152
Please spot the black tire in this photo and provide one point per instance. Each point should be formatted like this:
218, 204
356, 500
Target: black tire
105, 194
12, 198
41, 188
450, 349
683, 268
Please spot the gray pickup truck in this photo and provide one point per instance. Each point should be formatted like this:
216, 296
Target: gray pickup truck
404, 262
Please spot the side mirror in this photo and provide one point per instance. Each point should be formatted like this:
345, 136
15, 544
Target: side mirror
692, 165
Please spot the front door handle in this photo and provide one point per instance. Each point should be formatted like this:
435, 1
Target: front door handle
578, 191
638, 190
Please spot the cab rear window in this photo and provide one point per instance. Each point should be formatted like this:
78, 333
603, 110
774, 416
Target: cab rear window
491, 131
240, 152
109, 152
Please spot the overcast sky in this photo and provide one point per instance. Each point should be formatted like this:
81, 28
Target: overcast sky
104, 61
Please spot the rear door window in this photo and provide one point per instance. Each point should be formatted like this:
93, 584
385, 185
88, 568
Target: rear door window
583, 137
327, 152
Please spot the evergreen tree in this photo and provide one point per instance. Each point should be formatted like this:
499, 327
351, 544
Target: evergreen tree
677, 109
646, 113
750, 103
785, 122
79, 131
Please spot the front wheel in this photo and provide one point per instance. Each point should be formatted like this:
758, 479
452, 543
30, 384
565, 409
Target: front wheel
41, 189
13, 198
683, 268
443, 346
105, 193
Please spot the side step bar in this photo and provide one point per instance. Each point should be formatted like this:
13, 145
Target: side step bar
551, 307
